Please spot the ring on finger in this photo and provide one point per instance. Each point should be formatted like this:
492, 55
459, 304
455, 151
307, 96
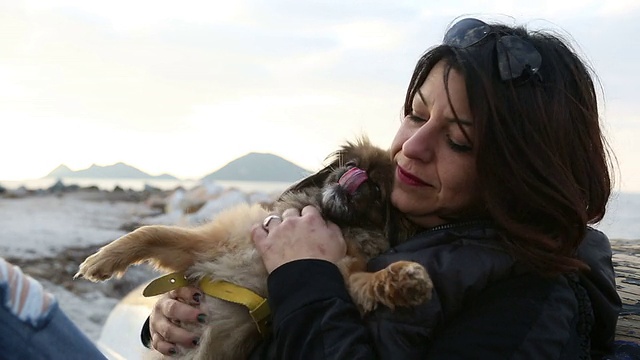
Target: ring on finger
267, 220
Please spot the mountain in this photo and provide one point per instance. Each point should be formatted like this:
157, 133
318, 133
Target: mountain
119, 170
251, 167
60, 171
259, 167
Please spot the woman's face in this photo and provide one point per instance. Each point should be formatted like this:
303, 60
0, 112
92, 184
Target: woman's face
436, 173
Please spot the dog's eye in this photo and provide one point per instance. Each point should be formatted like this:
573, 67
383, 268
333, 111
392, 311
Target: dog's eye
351, 164
376, 191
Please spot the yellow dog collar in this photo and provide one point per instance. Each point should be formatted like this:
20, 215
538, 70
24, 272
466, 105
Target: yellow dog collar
165, 284
257, 305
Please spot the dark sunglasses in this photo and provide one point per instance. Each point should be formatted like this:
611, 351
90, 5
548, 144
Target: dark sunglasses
517, 58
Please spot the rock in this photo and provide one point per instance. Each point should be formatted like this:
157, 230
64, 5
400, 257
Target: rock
174, 201
58, 187
262, 198
151, 189
61, 268
130, 226
214, 206
73, 187
18, 193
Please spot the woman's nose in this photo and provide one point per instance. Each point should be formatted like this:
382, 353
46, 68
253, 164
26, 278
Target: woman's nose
421, 143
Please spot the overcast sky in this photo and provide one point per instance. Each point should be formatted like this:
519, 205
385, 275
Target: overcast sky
185, 87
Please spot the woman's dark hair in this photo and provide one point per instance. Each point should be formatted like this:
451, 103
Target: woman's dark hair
542, 161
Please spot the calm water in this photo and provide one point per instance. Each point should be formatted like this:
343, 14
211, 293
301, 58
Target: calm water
621, 222
139, 184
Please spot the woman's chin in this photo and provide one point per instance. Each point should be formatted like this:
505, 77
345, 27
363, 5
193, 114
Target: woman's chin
406, 203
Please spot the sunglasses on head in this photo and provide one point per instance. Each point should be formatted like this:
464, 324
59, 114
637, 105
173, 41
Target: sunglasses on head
517, 58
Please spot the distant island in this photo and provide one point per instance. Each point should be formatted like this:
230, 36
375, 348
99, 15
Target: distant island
119, 170
250, 167
259, 167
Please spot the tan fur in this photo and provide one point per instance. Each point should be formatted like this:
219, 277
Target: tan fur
222, 249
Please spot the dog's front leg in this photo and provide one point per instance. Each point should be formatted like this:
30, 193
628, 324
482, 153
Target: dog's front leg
166, 247
403, 283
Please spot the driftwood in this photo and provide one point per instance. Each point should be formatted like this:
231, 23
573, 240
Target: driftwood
626, 262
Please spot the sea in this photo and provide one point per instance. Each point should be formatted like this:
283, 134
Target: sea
140, 184
622, 220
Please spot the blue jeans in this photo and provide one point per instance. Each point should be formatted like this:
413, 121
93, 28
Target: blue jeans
52, 336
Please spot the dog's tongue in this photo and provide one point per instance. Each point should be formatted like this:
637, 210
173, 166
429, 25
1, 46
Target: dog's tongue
352, 179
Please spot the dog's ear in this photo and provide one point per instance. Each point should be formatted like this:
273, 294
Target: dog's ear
317, 179
313, 180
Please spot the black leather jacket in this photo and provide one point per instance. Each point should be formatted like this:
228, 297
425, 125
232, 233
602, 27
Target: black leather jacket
485, 305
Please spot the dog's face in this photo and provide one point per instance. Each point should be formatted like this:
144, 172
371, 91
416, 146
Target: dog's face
357, 188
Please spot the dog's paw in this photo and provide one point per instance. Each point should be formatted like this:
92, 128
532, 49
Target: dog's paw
404, 283
98, 267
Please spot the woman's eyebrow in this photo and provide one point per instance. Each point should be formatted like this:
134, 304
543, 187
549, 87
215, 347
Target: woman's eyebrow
463, 122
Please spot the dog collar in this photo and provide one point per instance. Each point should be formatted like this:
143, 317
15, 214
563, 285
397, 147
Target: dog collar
257, 305
165, 284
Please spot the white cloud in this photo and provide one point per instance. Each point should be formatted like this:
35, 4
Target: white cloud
369, 34
619, 7
140, 15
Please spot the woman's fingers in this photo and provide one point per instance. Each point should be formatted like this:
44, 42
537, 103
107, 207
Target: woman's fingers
301, 235
310, 211
166, 335
187, 294
167, 316
176, 310
162, 346
270, 221
290, 212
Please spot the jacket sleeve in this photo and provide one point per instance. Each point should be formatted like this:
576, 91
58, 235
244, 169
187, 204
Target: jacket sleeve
313, 315
600, 283
145, 334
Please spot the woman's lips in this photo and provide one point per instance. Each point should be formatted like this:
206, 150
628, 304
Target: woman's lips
409, 178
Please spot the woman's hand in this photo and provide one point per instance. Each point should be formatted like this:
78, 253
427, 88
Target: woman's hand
172, 309
300, 235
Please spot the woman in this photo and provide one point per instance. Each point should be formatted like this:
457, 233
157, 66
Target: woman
502, 163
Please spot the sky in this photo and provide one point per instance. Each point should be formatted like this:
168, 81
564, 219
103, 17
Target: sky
186, 87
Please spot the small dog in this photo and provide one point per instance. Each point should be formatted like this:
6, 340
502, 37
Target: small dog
353, 191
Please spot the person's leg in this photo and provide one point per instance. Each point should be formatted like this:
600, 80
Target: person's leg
624, 350
32, 325
63, 340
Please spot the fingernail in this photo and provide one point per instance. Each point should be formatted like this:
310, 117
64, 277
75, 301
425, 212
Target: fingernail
202, 318
172, 351
196, 341
196, 297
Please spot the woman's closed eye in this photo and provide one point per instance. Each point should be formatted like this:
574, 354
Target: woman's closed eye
454, 145
415, 118
461, 148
